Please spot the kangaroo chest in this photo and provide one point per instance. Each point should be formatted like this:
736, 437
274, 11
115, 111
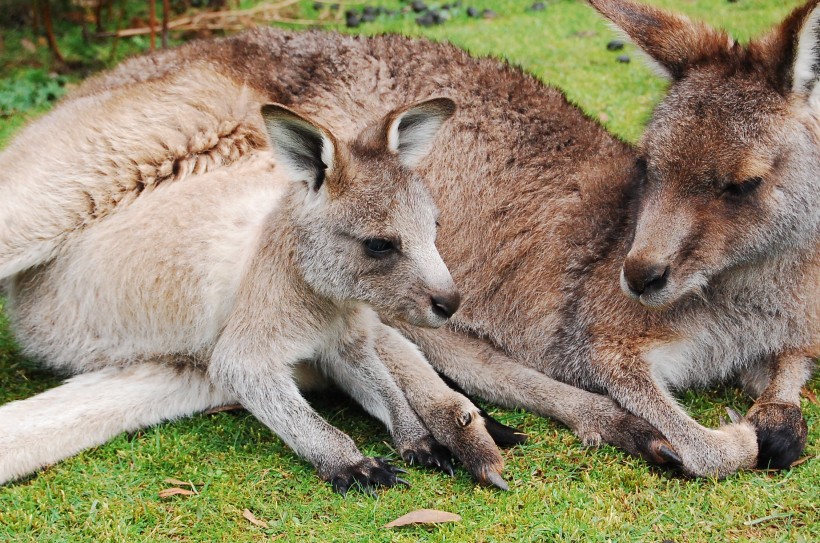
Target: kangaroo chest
724, 335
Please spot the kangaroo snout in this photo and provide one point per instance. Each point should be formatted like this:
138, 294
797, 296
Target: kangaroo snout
445, 304
643, 277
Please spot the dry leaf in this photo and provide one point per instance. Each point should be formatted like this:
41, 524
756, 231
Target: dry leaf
253, 520
174, 491
801, 461
221, 408
423, 516
810, 395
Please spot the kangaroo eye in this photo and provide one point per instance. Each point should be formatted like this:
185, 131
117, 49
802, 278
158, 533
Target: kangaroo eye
744, 188
378, 248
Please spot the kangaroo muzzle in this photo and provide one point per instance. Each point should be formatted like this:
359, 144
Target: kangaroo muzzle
643, 277
445, 304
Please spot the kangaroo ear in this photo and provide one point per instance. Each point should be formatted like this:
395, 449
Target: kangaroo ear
806, 67
672, 42
411, 132
305, 150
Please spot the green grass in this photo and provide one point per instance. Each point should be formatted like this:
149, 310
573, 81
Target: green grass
560, 491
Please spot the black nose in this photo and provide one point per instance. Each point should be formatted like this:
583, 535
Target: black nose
445, 305
643, 278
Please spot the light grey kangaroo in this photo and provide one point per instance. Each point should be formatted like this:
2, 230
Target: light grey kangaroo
240, 284
582, 261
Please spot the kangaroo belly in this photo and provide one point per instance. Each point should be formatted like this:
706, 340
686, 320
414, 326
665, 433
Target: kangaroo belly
155, 279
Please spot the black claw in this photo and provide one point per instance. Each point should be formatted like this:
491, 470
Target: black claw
667, 453
503, 435
365, 475
431, 454
340, 487
401, 481
496, 480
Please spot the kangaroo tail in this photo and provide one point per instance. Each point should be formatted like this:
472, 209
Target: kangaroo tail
89, 409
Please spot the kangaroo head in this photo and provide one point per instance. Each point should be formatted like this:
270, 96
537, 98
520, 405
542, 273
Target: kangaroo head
732, 160
365, 221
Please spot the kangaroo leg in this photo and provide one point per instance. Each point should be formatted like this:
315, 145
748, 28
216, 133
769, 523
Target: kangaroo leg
251, 371
704, 452
92, 408
359, 372
481, 369
776, 415
453, 419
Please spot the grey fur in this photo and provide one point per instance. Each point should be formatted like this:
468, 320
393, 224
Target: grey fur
240, 276
552, 227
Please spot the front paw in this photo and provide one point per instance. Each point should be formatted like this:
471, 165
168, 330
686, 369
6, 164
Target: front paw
635, 436
365, 475
428, 453
721, 452
781, 434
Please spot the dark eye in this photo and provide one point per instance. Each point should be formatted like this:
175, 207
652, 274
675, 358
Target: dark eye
744, 188
378, 248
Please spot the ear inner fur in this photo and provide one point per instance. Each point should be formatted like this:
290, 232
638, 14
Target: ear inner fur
305, 149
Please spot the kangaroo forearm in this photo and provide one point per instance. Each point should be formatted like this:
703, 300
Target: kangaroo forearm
704, 452
273, 398
790, 372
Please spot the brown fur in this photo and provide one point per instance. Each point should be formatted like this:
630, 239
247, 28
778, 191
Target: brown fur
542, 211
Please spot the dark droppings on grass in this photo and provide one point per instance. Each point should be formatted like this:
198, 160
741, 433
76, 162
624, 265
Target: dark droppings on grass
427, 14
615, 45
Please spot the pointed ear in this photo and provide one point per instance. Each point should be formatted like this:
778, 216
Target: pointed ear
672, 42
805, 29
411, 131
306, 151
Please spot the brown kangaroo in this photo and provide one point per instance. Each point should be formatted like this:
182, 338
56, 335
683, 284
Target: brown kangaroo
582, 261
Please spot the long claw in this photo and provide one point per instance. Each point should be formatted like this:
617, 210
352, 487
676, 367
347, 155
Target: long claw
401, 481
496, 480
734, 415
669, 454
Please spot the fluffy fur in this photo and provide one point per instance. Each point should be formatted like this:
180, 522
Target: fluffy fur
583, 262
230, 280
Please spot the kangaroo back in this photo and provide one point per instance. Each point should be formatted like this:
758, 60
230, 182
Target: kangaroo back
106, 149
